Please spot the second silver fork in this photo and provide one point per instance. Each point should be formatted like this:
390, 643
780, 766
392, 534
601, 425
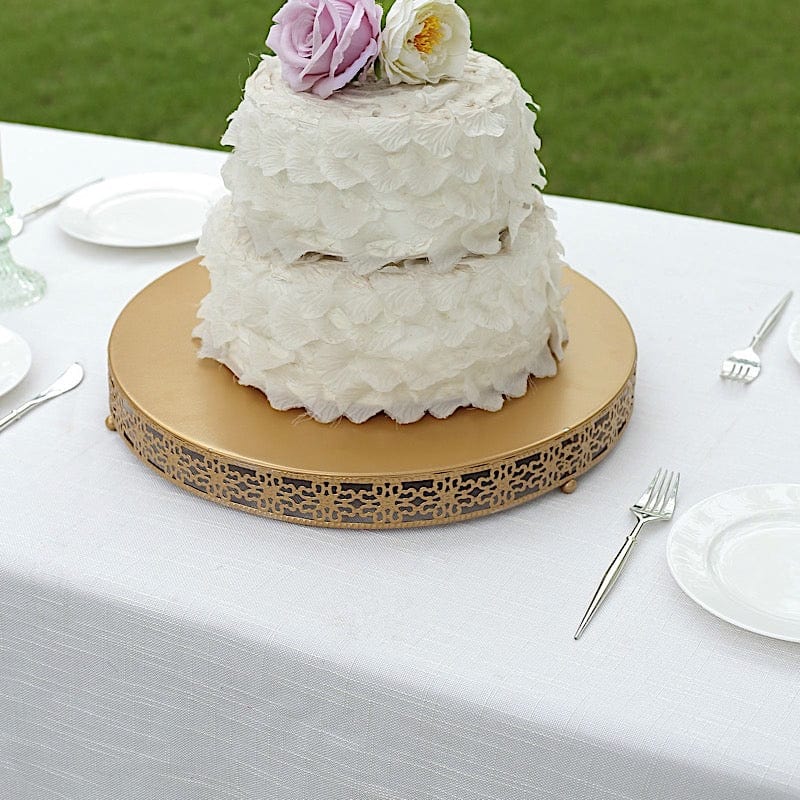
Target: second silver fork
656, 504
744, 366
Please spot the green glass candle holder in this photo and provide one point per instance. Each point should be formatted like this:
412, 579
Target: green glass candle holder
19, 286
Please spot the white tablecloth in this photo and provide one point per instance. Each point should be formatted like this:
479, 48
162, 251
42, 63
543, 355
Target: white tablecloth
153, 645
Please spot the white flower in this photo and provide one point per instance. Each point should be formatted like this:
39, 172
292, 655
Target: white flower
425, 41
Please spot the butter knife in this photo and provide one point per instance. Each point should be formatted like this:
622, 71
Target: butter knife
71, 378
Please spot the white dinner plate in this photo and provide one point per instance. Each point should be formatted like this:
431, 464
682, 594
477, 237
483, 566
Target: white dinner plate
737, 554
794, 339
15, 360
149, 210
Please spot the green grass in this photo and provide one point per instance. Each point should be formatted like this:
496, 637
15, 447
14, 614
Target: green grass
690, 106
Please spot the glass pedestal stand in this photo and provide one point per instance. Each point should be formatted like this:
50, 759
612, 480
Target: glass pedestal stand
19, 286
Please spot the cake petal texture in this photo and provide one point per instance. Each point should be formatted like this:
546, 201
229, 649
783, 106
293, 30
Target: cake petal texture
387, 174
387, 250
407, 340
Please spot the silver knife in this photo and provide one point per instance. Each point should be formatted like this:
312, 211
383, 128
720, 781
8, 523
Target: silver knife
71, 378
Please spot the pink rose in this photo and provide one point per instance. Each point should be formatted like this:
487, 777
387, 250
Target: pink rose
324, 44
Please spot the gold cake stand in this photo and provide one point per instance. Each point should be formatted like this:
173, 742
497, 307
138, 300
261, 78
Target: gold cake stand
194, 424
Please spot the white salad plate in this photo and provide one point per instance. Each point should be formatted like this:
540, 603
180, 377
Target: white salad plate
794, 339
149, 210
15, 360
737, 554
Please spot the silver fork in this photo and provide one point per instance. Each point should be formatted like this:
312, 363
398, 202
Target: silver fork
656, 504
17, 222
745, 365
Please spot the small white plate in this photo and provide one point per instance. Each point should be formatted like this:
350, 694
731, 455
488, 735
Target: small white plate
150, 210
737, 554
15, 360
794, 339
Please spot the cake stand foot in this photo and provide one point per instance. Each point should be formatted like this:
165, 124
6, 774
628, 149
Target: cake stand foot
570, 486
110, 423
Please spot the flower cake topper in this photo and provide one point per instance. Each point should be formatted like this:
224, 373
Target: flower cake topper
425, 41
325, 44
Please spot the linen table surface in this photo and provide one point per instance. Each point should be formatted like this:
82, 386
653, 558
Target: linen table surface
154, 645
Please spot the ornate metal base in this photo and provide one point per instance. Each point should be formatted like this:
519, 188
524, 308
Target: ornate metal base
191, 421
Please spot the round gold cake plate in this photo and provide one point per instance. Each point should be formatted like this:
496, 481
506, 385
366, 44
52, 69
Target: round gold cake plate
194, 424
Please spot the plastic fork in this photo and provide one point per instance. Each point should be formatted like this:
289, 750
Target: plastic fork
745, 365
657, 504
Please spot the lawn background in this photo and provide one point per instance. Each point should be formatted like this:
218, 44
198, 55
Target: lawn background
683, 105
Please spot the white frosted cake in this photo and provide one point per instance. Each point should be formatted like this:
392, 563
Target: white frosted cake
386, 249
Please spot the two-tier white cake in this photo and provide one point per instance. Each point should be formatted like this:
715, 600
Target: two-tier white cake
386, 249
